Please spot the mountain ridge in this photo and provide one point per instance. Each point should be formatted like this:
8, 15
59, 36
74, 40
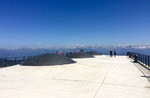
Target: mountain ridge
121, 50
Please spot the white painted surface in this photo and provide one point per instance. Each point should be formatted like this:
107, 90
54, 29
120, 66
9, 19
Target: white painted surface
100, 77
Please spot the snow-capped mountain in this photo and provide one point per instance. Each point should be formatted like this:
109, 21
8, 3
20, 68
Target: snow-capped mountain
136, 46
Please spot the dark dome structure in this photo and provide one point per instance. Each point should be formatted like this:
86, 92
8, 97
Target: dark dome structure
48, 59
80, 55
94, 53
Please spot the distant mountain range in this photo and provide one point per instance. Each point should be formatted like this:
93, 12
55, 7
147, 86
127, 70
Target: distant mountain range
121, 50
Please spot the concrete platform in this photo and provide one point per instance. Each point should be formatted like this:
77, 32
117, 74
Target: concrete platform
100, 77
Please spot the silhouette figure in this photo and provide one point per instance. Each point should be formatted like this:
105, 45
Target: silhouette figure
111, 53
67, 54
70, 52
115, 53
81, 51
57, 52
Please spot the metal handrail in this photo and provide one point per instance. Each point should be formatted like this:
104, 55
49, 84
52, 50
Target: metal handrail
140, 58
9, 61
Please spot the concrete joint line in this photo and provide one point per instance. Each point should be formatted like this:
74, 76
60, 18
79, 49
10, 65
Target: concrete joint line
74, 80
101, 83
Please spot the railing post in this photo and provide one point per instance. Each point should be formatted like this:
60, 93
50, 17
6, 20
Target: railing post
5, 62
148, 61
23, 58
15, 60
142, 59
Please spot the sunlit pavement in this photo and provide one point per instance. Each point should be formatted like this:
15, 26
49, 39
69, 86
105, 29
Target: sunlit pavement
99, 77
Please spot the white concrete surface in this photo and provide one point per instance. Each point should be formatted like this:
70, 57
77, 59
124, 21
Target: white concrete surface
100, 77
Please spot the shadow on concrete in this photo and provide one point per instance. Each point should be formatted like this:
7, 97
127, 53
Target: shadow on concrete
146, 76
93, 53
80, 55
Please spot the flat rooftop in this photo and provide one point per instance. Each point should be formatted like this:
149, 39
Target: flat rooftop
99, 77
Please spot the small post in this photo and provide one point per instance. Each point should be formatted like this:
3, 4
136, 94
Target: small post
148, 61
15, 60
5, 60
23, 58
129, 54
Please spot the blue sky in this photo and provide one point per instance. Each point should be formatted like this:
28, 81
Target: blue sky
59, 23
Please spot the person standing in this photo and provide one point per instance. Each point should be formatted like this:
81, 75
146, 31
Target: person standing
110, 53
60, 53
81, 51
70, 52
57, 52
115, 53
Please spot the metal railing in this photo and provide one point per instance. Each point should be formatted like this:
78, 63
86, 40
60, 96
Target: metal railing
9, 61
140, 58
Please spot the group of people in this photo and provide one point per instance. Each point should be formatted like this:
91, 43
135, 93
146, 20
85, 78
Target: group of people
113, 53
69, 52
59, 52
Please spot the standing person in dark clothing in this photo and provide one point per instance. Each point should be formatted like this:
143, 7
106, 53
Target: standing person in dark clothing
115, 53
67, 54
70, 52
81, 51
111, 53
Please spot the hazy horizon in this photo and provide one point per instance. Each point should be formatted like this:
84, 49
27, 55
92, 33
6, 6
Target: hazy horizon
81, 46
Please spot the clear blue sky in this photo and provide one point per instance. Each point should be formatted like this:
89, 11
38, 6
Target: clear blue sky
50, 23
